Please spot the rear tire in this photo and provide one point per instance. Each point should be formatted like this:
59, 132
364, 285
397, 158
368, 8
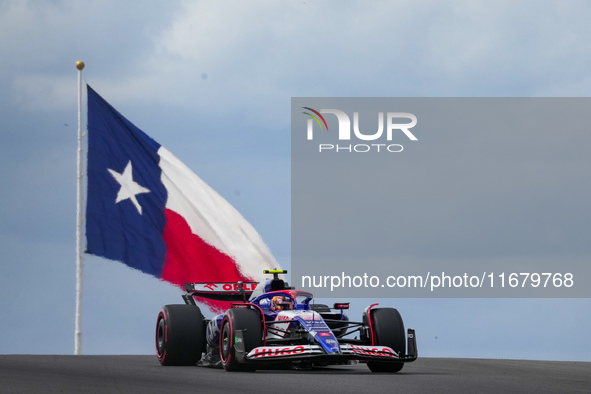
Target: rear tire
180, 335
247, 320
388, 330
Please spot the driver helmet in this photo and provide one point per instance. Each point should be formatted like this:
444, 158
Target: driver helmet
281, 303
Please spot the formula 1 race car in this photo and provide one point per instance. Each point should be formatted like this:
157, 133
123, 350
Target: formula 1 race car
271, 324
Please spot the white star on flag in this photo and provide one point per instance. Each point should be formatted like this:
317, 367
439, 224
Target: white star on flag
129, 188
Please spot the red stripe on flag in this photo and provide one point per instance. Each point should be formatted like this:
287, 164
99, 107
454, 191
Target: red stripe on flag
190, 259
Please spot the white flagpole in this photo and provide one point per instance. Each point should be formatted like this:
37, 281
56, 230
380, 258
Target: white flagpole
79, 217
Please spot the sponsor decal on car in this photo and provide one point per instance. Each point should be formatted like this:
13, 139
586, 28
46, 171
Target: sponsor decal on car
283, 317
224, 287
311, 316
380, 351
274, 351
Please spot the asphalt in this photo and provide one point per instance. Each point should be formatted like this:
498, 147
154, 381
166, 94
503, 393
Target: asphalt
143, 374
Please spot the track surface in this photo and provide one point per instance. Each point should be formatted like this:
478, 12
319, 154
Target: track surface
143, 374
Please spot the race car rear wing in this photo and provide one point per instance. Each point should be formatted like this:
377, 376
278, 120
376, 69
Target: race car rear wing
228, 291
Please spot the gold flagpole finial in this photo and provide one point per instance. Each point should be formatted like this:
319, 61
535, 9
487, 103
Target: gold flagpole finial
80, 65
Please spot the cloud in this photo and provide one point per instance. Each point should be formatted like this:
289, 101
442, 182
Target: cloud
42, 41
262, 53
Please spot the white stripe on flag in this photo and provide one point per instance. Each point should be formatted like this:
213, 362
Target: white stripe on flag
213, 219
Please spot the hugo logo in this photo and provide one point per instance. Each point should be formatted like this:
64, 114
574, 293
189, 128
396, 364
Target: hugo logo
272, 352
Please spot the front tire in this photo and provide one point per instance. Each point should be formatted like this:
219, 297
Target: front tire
249, 322
180, 335
388, 330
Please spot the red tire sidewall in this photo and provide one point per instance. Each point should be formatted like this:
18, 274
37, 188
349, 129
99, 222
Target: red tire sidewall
161, 316
227, 320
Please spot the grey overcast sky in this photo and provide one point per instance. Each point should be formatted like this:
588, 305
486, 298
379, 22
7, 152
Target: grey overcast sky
212, 82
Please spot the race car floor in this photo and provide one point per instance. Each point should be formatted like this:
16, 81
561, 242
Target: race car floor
143, 374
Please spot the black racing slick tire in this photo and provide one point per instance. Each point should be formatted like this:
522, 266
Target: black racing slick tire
180, 335
388, 330
249, 322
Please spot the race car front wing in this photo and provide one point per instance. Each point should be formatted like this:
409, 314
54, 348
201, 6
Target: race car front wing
315, 352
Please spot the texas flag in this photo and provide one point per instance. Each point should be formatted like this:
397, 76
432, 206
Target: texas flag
146, 209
